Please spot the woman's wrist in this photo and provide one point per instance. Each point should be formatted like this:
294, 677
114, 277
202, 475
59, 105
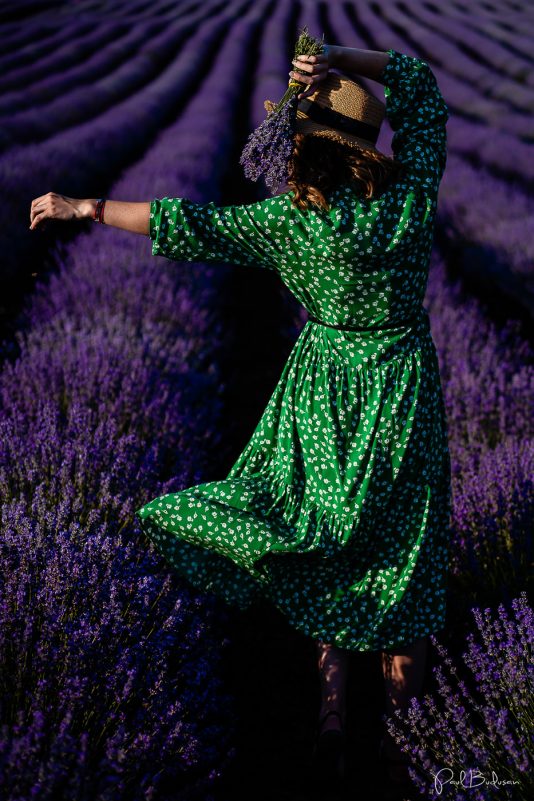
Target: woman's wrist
332, 54
85, 208
366, 63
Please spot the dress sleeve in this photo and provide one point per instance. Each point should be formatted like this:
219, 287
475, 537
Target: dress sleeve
248, 235
418, 114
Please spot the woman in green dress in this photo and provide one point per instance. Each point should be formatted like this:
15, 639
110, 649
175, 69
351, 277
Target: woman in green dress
337, 510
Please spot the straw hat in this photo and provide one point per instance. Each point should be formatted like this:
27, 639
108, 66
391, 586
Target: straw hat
342, 110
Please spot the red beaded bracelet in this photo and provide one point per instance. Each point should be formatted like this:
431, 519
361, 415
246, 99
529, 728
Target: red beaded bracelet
98, 216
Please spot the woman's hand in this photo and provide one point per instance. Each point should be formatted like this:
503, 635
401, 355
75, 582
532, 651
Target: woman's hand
53, 206
315, 67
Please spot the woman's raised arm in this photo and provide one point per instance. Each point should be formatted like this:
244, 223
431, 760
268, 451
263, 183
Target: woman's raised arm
369, 63
118, 213
415, 107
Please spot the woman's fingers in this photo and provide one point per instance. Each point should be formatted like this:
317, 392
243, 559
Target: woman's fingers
301, 78
52, 205
302, 65
307, 93
43, 198
313, 64
39, 205
38, 209
38, 218
40, 198
315, 78
310, 70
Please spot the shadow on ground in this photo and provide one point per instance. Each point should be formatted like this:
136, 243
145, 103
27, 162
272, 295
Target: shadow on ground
271, 670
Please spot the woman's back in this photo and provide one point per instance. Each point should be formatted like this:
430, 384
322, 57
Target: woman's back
365, 261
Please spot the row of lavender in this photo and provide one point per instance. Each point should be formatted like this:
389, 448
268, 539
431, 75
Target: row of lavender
479, 719
123, 57
109, 665
82, 159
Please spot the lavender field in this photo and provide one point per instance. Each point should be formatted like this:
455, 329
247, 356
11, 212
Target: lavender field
125, 377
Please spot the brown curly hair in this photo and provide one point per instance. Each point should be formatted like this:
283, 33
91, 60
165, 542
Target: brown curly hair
319, 165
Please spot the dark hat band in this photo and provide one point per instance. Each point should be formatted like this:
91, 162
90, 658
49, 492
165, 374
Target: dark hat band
334, 119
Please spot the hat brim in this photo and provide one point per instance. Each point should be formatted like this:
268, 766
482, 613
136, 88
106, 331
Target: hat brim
304, 125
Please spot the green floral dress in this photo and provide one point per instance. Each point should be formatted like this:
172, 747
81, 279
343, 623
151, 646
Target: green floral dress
338, 509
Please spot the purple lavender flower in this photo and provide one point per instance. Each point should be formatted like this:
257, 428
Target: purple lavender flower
269, 147
479, 717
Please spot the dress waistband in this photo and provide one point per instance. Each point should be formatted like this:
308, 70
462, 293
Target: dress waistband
381, 326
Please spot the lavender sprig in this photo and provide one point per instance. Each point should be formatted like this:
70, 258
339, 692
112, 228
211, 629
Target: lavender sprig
269, 146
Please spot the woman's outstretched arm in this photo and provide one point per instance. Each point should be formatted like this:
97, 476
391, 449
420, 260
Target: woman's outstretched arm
118, 213
183, 230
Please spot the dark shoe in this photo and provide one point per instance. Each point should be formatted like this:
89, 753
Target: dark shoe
393, 788
328, 757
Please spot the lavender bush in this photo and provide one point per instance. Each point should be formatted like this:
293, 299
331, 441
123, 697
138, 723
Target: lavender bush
84, 159
77, 102
482, 726
94, 635
491, 440
99, 698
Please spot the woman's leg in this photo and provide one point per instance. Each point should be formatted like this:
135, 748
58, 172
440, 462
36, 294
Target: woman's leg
333, 668
403, 669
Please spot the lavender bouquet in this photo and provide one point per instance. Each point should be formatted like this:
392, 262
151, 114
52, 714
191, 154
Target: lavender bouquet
269, 146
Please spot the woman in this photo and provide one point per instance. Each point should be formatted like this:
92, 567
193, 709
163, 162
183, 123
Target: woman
337, 510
